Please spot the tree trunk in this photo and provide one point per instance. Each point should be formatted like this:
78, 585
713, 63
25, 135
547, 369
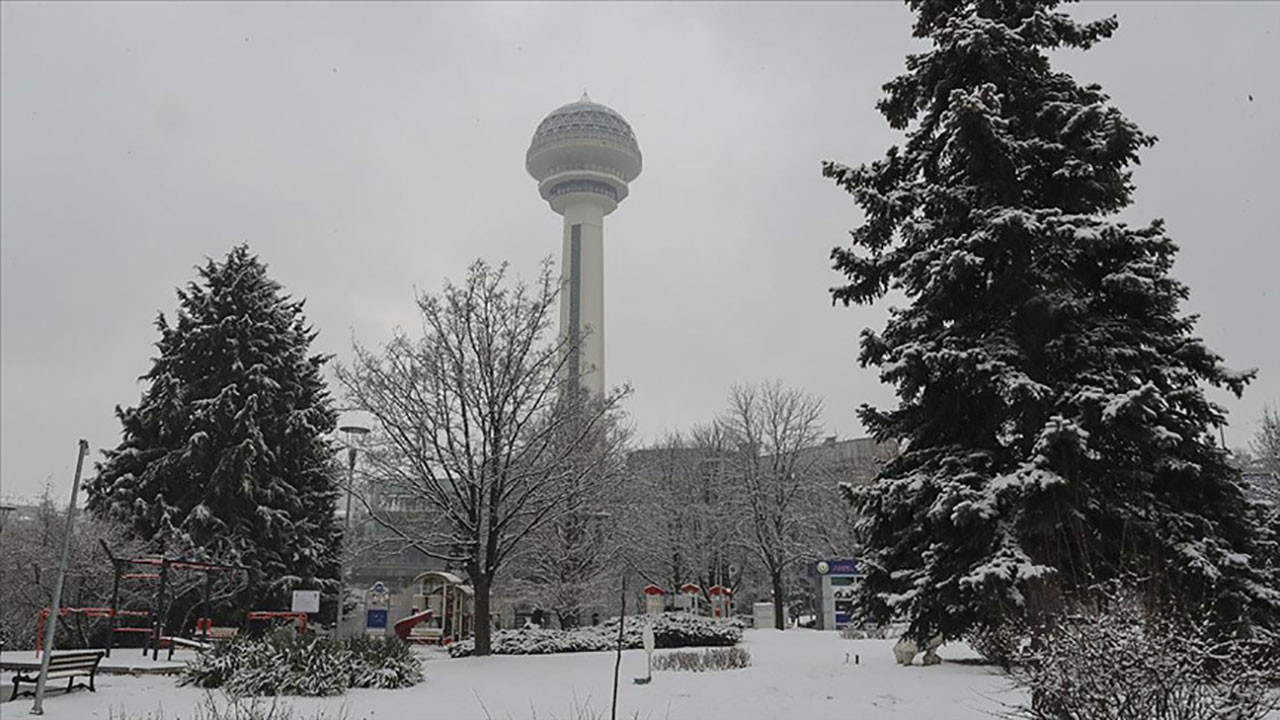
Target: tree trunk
483, 583
779, 618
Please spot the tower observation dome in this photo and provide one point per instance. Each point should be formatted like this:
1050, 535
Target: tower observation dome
584, 156
583, 148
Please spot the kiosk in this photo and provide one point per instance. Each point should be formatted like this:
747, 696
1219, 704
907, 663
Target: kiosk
689, 597
654, 599
721, 601
836, 583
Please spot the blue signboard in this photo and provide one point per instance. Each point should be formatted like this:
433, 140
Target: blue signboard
836, 566
375, 619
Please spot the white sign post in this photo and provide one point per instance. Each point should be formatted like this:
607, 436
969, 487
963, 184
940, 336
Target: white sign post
307, 601
649, 645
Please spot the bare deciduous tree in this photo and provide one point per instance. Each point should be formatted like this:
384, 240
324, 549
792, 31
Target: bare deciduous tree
29, 564
774, 427
472, 422
683, 517
1266, 442
570, 563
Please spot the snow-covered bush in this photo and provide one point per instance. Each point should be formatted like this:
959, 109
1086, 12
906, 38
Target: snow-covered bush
285, 663
670, 630
999, 644
870, 632
675, 630
382, 662
1128, 664
731, 658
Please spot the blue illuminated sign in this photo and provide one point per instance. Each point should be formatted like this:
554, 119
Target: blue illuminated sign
836, 566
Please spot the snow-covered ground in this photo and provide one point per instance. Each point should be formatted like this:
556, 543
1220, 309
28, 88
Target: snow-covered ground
800, 674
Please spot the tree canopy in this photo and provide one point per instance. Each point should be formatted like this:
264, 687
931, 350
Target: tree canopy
1050, 392
227, 453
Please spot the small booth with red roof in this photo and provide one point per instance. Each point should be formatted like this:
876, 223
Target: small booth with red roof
721, 601
655, 599
690, 598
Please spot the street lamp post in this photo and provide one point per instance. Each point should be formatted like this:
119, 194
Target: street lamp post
52, 626
351, 432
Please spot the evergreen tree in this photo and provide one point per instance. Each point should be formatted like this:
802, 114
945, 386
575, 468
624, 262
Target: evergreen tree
1050, 393
226, 455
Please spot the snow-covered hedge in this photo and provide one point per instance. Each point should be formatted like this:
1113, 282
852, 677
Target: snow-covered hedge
670, 630
285, 663
382, 662
731, 658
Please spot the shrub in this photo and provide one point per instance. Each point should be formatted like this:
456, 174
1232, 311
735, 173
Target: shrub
383, 662
1128, 664
670, 630
868, 632
999, 644
731, 658
286, 663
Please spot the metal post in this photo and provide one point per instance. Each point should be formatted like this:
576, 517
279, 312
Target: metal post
346, 531
208, 616
159, 613
115, 606
38, 707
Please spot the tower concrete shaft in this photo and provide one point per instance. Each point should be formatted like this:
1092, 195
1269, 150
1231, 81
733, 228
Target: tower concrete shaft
582, 292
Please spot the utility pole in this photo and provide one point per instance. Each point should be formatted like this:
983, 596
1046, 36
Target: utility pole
351, 432
38, 707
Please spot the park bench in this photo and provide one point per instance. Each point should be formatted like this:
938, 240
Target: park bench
69, 664
219, 633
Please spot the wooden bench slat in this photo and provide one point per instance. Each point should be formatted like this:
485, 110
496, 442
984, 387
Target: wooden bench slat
73, 658
73, 662
58, 674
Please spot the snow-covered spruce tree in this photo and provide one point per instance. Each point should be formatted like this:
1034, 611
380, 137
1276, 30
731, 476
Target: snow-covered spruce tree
1050, 393
226, 454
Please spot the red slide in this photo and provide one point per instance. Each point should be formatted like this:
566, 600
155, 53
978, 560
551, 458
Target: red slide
405, 625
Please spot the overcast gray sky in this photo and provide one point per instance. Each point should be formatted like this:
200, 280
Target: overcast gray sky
366, 149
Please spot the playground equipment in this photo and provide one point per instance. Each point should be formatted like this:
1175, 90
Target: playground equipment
404, 627
298, 617
159, 612
93, 612
451, 604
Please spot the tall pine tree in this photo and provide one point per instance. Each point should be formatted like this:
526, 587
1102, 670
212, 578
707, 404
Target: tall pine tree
1050, 393
227, 455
